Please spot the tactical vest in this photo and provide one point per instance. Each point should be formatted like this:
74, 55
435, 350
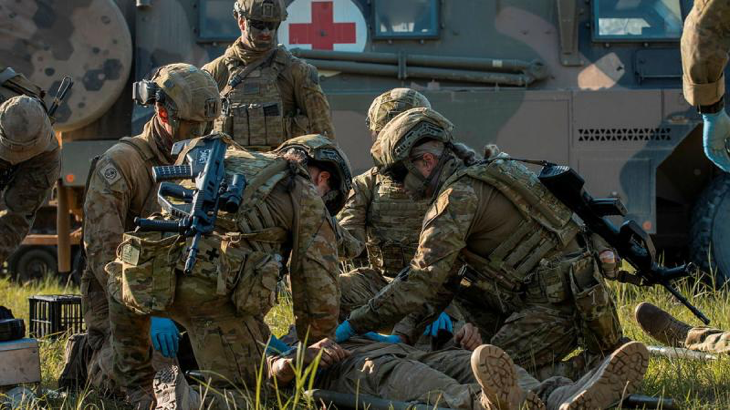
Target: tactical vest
252, 105
394, 226
548, 225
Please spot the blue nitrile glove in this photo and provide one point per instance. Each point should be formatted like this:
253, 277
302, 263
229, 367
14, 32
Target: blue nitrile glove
442, 323
276, 346
164, 335
344, 332
382, 338
715, 134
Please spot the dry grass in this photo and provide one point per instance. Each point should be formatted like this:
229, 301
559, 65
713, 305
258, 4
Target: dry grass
693, 384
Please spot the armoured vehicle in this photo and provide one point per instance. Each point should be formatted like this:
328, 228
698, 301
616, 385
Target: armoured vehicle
591, 83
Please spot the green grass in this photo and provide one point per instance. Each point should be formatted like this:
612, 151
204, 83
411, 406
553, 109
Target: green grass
693, 384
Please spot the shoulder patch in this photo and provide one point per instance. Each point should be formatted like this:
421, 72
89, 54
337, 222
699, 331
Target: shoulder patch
110, 173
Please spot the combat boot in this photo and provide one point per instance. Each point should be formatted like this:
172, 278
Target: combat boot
617, 376
495, 372
173, 392
661, 325
141, 399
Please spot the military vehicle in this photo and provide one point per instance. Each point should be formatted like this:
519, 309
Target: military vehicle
595, 84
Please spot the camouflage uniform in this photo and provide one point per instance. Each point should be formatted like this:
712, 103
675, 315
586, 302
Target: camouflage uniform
121, 188
380, 213
499, 240
705, 44
269, 95
29, 161
223, 301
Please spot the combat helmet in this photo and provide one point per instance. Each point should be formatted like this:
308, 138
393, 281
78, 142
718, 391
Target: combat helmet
187, 92
262, 10
323, 150
25, 129
391, 103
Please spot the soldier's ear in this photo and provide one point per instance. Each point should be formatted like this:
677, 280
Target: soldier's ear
162, 113
241, 23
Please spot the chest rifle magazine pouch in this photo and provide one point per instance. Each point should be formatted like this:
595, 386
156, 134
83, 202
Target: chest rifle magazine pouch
148, 274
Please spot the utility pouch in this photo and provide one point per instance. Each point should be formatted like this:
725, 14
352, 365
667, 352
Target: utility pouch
252, 276
148, 270
553, 275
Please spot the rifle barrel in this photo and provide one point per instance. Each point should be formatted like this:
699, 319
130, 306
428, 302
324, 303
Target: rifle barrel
701, 316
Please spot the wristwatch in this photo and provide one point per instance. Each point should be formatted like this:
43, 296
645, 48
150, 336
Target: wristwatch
712, 108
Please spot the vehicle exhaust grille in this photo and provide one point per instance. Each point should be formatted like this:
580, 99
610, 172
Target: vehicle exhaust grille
623, 134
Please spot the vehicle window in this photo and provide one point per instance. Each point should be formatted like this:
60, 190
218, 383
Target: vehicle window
216, 21
637, 20
405, 19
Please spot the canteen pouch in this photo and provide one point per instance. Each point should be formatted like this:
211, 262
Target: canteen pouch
553, 275
148, 270
252, 276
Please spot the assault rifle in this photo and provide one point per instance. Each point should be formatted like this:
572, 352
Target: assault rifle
630, 241
199, 208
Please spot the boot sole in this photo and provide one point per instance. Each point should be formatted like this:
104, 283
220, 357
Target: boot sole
170, 389
618, 378
495, 372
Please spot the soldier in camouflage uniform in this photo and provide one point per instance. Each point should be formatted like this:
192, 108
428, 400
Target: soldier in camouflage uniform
29, 158
379, 212
329, 170
121, 187
673, 332
269, 95
705, 44
496, 237
223, 301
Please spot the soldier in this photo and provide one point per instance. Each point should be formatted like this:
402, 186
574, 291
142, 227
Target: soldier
30, 158
329, 170
223, 301
672, 332
521, 265
705, 44
269, 95
121, 187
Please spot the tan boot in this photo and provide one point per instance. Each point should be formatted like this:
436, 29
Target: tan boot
173, 392
617, 376
495, 372
661, 325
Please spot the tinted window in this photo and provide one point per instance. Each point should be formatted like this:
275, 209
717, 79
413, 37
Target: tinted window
216, 21
405, 19
637, 20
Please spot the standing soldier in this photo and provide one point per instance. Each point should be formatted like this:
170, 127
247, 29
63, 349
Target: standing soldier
30, 158
121, 187
497, 238
223, 300
705, 45
268, 95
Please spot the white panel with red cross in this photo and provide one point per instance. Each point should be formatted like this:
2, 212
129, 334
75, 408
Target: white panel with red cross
324, 25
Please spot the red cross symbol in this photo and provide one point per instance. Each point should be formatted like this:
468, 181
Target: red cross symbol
323, 33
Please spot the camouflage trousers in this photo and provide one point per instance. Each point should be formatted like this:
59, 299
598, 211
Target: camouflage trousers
707, 339
358, 287
98, 328
227, 347
404, 373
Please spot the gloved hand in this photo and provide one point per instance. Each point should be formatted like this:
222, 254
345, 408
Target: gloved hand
382, 338
276, 346
442, 323
344, 332
714, 137
164, 335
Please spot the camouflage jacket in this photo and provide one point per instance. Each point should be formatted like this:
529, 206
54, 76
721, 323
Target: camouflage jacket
298, 85
466, 214
120, 189
705, 44
348, 246
380, 214
24, 187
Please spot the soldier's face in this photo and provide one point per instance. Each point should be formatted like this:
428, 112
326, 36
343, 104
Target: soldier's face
320, 179
259, 35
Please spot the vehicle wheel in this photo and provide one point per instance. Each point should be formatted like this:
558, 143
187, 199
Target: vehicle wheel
32, 263
710, 229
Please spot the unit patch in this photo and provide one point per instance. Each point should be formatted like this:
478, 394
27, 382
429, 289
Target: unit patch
110, 174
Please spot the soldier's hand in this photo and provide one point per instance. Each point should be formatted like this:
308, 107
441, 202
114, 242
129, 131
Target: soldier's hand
164, 336
331, 353
468, 337
610, 264
715, 135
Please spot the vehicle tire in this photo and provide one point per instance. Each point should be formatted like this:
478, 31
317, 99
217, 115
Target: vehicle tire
710, 229
33, 263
